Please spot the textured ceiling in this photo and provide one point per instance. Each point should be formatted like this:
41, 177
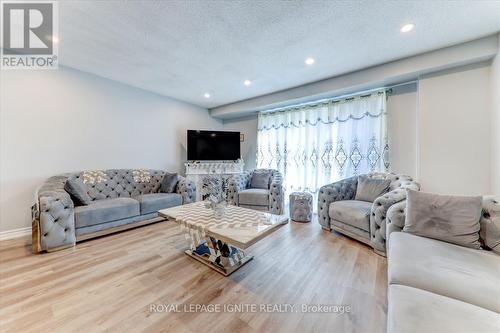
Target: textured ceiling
183, 49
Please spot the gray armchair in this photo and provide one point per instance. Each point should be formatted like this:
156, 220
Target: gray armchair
363, 221
241, 194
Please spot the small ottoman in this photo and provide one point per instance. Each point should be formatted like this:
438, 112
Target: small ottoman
301, 206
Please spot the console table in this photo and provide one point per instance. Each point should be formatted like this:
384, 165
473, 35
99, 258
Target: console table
196, 171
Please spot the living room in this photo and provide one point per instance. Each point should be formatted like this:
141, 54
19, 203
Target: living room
250, 166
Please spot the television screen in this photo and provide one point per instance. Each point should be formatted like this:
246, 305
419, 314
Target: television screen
212, 145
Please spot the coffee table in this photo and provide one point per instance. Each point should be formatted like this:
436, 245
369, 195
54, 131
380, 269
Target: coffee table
219, 241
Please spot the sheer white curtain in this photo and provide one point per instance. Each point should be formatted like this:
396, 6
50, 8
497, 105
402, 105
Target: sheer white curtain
314, 145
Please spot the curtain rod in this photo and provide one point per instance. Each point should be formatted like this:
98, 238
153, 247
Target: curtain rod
346, 97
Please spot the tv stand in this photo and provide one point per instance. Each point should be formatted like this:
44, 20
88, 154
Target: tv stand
196, 170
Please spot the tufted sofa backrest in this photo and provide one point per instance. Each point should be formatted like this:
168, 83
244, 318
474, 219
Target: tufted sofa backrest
112, 183
397, 180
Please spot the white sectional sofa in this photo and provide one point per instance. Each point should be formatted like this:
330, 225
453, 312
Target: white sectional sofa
436, 286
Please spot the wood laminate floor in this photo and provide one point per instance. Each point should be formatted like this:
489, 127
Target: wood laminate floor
109, 283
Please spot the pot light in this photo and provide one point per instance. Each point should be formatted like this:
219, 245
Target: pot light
309, 61
206, 95
55, 39
407, 27
247, 82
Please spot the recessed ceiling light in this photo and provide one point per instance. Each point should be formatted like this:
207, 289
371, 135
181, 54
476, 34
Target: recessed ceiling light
309, 61
407, 27
207, 95
247, 82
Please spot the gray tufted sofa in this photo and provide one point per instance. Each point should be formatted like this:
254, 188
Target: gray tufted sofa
121, 198
442, 287
271, 200
370, 224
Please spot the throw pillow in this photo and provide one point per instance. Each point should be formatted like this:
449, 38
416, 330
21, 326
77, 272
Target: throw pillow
169, 182
452, 219
489, 233
370, 189
78, 191
260, 179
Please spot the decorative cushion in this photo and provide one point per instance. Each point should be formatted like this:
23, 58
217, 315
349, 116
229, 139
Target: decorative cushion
452, 219
260, 179
254, 197
169, 182
106, 210
355, 213
370, 189
153, 202
490, 224
78, 191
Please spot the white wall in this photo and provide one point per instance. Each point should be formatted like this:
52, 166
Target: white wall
454, 139
247, 126
495, 123
402, 129
65, 120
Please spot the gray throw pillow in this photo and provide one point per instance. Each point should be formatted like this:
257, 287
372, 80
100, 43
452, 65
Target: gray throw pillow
260, 179
452, 219
169, 182
78, 191
370, 189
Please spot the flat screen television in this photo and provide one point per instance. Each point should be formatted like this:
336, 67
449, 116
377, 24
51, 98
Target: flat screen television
213, 145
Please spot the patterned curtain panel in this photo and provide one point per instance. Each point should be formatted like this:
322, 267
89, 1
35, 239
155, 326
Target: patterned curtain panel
314, 145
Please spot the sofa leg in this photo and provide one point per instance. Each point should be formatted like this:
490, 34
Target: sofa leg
35, 236
326, 228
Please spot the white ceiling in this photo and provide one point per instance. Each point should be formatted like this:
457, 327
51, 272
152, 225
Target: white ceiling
183, 49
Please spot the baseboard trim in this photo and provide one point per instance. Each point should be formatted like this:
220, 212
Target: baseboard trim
15, 233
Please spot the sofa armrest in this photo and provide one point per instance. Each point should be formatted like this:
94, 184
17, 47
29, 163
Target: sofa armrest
489, 233
55, 227
379, 214
187, 189
235, 184
276, 194
396, 216
341, 190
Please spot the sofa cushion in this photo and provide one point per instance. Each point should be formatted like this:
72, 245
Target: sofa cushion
169, 182
453, 219
78, 191
352, 212
468, 275
254, 197
260, 179
106, 210
259, 208
416, 310
153, 202
370, 189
